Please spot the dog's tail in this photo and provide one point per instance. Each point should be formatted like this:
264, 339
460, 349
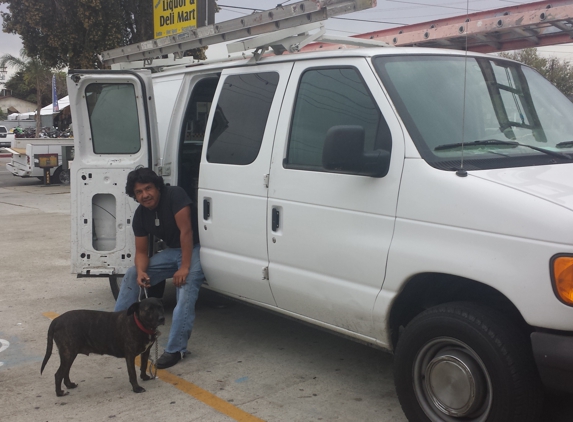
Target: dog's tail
49, 346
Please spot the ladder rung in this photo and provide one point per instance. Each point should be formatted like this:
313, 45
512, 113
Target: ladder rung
282, 17
509, 28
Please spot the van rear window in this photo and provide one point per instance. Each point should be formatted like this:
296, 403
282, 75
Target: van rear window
113, 117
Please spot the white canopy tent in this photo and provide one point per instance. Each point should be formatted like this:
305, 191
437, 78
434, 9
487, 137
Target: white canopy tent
21, 116
45, 111
49, 109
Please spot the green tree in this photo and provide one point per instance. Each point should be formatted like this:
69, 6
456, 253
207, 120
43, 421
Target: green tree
65, 32
24, 90
19, 88
73, 32
138, 21
35, 72
558, 72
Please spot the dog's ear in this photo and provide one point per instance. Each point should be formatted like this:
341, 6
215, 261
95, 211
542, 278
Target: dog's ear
133, 308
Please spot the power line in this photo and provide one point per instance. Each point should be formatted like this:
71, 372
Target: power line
235, 11
371, 21
240, 7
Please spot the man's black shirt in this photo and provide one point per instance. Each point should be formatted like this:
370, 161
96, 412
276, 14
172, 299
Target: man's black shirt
173, 199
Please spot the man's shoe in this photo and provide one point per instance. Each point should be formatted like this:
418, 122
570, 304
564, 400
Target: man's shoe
167, 360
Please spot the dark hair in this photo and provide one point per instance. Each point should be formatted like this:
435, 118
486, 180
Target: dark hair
142, 175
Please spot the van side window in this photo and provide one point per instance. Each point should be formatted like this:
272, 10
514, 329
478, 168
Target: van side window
240, 118
113, 117
329, 98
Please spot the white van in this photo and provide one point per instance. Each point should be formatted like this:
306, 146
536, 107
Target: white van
418, 200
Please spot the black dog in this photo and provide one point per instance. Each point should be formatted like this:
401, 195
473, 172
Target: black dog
124, 334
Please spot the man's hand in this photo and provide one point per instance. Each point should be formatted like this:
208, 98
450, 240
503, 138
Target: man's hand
143, 280
179, 277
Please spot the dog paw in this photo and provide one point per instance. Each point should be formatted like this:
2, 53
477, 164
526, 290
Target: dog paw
71, 385
61, 393
145, 377
138, 389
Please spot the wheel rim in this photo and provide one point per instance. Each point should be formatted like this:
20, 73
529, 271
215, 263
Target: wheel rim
64, 177
451, 382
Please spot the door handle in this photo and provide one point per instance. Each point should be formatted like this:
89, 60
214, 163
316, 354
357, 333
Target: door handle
206, 209
275, 219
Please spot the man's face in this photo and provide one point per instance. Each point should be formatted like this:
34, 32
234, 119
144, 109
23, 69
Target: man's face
147, 195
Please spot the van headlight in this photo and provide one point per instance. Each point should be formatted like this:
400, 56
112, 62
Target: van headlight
562, 278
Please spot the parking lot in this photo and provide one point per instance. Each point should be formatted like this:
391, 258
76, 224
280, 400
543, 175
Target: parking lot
246, 364
262, 366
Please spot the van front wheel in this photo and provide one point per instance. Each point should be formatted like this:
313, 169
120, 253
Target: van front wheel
465, 362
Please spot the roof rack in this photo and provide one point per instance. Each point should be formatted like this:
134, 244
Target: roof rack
289, 40
281, 18
294, 39
509, 28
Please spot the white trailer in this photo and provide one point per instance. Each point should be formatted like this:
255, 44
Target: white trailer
30, 158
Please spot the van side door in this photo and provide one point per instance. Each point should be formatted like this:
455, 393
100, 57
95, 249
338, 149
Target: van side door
330, 225
233, 180
115, 131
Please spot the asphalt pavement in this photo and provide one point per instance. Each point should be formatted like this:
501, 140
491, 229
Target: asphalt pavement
245, 364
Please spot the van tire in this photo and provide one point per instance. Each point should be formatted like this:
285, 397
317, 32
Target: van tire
61, 176
480, 349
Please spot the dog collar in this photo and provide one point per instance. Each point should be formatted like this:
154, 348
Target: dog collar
141, 327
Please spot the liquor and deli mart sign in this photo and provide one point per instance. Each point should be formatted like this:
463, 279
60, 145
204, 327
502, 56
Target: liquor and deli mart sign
173, 16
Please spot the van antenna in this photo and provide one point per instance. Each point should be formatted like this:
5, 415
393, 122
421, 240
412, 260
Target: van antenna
461, 172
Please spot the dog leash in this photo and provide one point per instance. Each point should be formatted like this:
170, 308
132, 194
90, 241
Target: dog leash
153, 374
144, 291
153, 363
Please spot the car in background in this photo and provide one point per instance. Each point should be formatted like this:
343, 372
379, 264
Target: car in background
4, 141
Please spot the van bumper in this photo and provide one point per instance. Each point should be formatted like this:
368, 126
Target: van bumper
554, 357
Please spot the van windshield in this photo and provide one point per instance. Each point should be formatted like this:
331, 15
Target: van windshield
497, 113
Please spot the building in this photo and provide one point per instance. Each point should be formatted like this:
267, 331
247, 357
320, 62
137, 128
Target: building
9, 105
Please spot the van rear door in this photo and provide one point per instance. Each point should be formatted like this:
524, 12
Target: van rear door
115, 131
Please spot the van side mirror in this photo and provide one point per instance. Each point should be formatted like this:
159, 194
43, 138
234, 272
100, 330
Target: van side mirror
344, 152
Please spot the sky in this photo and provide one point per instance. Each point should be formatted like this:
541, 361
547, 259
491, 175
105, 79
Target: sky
387, 14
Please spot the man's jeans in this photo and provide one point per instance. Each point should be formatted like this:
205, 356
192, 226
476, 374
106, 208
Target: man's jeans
163, 265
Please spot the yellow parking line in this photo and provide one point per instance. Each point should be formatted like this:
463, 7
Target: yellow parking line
198, 393
204, 396
50, 315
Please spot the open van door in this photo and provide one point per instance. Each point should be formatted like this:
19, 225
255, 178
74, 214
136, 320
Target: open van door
115, 131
